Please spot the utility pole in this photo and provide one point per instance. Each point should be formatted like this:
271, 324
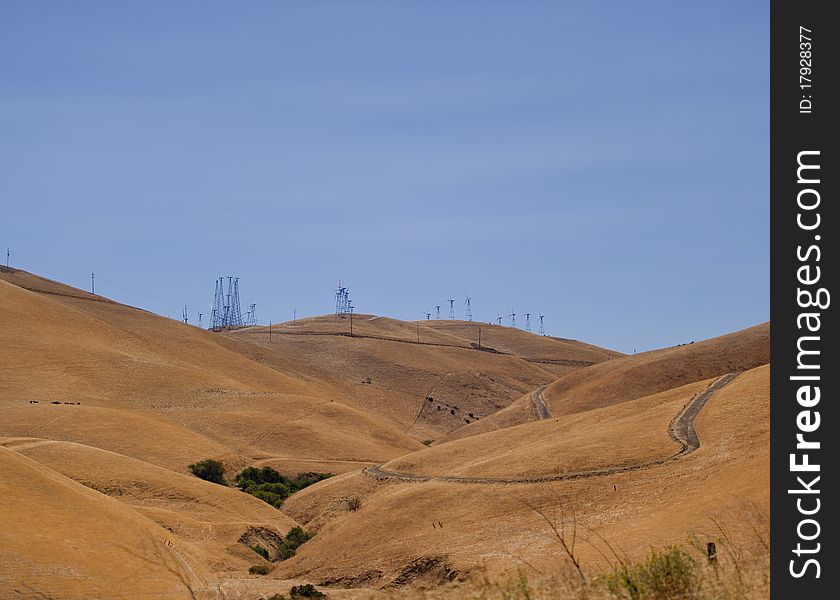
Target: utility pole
7, 258
418, 332
92, 286
479, 337
269, 332
351, 321
294, 316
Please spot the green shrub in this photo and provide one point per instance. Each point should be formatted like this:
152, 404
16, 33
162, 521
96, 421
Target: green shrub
259, 570
354, 504
306, 590
209, 470
668, 574
272, 487
427, 442
260, 550
292, 542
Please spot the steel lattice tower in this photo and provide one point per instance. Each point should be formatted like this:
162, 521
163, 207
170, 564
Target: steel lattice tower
437, 311
234, 312
528, 322
451, 308
226, 311
217, 314
342, 300
468, 309
542, 327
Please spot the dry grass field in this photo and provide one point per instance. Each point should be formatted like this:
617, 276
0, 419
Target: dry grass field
103, 407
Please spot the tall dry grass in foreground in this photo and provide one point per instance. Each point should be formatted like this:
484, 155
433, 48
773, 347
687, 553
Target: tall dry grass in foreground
736, 570
676, 573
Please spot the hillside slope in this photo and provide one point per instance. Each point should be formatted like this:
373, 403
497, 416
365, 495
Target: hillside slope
453, 529
118, 372
635, 376
427, 388
62, 540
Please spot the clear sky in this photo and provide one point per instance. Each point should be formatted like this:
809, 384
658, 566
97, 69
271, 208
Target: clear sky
605, 163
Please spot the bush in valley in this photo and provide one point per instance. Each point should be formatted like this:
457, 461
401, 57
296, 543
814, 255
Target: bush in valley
261, 551
354, 503
293, 540
427, 442
272, 487
259, 570
306, 590
209, 470
670, 573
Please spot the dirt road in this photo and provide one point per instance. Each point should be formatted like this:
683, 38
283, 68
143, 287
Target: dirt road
539, 403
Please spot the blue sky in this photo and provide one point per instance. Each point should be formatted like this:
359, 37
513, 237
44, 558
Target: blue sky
604, 163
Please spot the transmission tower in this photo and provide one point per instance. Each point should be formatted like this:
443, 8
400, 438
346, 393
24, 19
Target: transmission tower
528, 322
437, 311
468, 310
451, 308
512, 316
219, 310
342, 300
234, 312
542, 327
226, 311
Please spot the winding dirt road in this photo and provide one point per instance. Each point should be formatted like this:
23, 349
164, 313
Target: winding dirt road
681, 431
539, 403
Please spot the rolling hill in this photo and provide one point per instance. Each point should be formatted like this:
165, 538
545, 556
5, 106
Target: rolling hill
103, 407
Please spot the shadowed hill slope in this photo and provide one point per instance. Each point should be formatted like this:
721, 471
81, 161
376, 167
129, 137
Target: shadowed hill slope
427, 388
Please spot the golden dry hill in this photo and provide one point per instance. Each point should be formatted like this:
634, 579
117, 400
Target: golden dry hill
103, 407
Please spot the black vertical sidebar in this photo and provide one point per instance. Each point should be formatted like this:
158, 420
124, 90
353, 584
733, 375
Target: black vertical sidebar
805, 422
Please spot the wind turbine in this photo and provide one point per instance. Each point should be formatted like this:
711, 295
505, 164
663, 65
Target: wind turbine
498, 318
437, 312
512, 316
542, 327
428, 315
451, 308
468, 302
528, 322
